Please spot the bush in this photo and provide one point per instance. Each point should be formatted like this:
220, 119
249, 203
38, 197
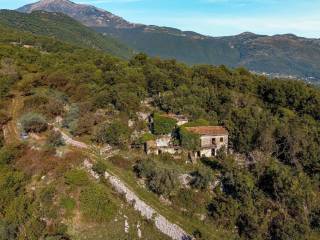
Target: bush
47, 194
95, 203
201, 179
162, 182
8, 154
33, 122
145, 138
55, 139
76, 177
163, 125
68, 203
159, 180
116, 133
99, 167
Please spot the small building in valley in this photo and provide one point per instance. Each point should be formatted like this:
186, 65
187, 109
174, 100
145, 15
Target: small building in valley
212, 139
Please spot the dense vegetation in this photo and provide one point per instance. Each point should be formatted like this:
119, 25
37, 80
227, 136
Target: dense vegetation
63, 28
274, 124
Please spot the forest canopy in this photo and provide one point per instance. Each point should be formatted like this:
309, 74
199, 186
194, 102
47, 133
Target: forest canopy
274, 122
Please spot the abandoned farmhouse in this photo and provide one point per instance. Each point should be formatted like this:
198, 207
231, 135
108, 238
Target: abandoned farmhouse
174, 136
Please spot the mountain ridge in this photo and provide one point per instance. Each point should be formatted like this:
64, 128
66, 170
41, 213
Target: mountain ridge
280, 55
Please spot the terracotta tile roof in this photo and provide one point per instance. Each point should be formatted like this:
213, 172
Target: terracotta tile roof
208, 130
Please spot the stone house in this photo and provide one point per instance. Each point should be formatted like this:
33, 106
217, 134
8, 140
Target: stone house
161, 145
212, 139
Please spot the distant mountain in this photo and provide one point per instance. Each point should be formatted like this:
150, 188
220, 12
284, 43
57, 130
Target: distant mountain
63, 28
279, 55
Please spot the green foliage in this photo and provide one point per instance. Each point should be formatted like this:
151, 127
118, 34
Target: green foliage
196, 123
116, 133
268, 199
160, 180
33, 122
163, 125
95, 203
68, 203
201, 179
188, 140
55, 139
8, 154
63, 28
99, 167
145, 138
76, 177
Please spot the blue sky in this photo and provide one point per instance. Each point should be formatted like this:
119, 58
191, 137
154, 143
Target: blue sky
215, 17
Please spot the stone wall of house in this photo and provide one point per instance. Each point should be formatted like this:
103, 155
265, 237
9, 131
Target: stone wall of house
163, 141
206, 141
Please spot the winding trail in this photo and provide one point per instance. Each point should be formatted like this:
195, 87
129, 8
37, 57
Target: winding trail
162, 224
11, 132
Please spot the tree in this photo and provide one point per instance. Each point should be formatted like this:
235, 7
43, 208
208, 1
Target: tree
33, 122
55, 139
201, 179
116, 133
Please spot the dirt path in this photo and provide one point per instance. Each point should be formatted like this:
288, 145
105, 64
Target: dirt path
69, 141
162, 224
11, 132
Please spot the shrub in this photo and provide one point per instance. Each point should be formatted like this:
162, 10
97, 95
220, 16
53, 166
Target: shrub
201, 179
7, 154
161, 181
95, 203
71, 116
55, 139
47, 194
163, 125
76, 177
116, 133
33, 122
67, 203
145, 137
99, 167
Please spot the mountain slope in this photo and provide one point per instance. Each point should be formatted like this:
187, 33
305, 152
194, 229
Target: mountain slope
284, 55
63, 28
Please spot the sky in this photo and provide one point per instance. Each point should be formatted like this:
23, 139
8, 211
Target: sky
215, 17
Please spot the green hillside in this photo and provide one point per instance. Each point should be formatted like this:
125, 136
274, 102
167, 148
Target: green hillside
63, 28
265, 188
